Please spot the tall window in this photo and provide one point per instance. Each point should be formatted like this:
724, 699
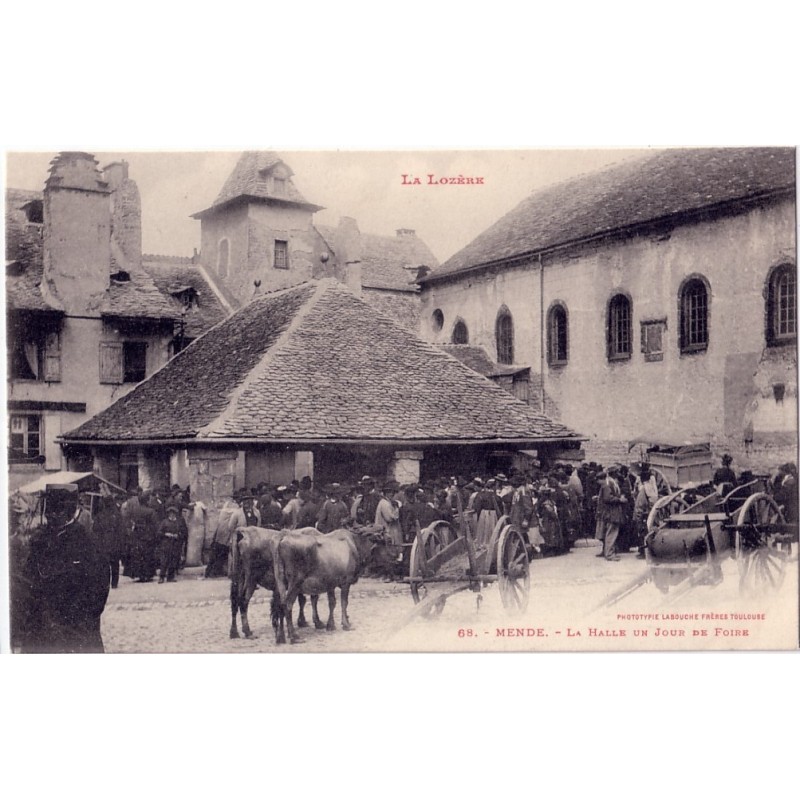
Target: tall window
782, 304
504, 335
279, 187
694, 316
281, 255
460, 333
557, 335
619, 327
25, 437
222, 258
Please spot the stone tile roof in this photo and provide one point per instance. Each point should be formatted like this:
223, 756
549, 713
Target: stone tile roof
249, 179
666, 184
23, 254
313, 363
171, 274
478, 359
387, 261
138, 298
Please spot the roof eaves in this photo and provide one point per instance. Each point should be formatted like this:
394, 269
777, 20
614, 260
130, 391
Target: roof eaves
683, 214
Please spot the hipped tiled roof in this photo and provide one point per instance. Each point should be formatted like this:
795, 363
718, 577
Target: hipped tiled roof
171, 274
666, 184
387, 262
317, 363
478, 359
250, 179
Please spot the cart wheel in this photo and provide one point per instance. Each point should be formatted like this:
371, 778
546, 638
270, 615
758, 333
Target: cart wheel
513, 570
661, 482
433, 541
664, 508
762, 564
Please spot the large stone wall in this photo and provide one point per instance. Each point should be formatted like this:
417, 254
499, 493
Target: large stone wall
724, 394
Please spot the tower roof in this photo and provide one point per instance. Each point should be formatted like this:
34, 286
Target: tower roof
252, 180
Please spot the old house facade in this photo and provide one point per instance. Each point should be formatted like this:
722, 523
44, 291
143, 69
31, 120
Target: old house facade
654, 300
85, 322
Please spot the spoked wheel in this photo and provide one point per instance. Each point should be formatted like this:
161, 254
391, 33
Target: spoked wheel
434, 541
664, 508
761, 561
513, 570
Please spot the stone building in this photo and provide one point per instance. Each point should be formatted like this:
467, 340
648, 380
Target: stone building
656, 299
85, 322
259, 235
312, 380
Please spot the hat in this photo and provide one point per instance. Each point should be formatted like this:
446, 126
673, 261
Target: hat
726, 459
173, 508
391, 485
491, 482
501, 477
477, 481
368, 479
601, 474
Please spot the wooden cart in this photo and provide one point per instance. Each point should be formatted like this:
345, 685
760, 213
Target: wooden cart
445, 560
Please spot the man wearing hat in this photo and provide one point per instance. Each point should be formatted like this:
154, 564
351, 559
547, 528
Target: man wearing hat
218, 554
270, 509
610, 513
333, 513
61, 590
725, 474
364, 508
171, 533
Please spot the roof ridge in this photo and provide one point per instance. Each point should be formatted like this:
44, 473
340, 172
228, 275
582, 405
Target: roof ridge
255, 373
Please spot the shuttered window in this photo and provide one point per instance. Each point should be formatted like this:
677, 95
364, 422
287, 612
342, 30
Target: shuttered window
52, 358
110, 362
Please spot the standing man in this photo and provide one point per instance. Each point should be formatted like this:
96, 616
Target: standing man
646, 496
725, 474
387, 519
610, 513
109, 531
220, 544
144, 539
60, 591
333, 513
171, 542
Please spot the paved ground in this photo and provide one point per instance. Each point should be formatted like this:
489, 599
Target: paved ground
193, 615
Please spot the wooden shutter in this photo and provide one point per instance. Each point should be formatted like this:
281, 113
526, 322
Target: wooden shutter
110, 362
52, 358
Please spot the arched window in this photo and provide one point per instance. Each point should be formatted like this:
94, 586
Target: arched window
437, 320
619, 330
460, 333
694, 315
557, 335
504, 336
782, 305
222, 258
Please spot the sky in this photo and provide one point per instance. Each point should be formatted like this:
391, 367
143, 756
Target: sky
366, 185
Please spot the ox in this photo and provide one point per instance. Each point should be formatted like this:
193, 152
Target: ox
252, 558
312, 562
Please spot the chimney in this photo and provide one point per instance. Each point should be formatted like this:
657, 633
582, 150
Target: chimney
405, 232
115, 173
126, 217
347, 244
77, 234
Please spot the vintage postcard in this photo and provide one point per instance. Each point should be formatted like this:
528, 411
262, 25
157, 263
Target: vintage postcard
402, 401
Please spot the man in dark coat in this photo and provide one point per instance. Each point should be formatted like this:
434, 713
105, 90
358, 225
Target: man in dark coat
333, 513
110, 532
171, 535
725, 474
144, 538
61, 583
610, 512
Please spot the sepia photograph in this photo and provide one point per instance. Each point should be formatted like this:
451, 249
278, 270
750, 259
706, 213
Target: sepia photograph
529, 400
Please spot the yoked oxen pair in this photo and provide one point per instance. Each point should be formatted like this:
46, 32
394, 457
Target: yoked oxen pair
291, 564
